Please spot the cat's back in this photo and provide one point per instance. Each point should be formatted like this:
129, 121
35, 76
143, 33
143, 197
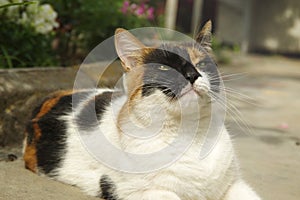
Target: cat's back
47, 131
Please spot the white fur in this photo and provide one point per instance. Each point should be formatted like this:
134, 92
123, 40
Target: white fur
240, 190
215, 177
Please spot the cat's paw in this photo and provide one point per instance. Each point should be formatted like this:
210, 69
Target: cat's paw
241, 191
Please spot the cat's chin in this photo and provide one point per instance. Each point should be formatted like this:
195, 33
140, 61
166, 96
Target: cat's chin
188, 98
194, 93
191, 98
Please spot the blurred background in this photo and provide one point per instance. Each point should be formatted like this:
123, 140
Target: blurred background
68, 30
256, 45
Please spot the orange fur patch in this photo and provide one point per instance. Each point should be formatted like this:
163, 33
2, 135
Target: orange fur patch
195, 55
30, 157
47, 105
37, 131
30, 150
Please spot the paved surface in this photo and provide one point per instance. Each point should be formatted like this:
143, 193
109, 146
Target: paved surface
268, 147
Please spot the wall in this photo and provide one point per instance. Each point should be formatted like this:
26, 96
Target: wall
229, 22
22, 89
273, 25
276, 26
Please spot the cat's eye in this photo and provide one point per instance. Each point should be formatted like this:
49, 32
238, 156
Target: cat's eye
163, 68
201, 64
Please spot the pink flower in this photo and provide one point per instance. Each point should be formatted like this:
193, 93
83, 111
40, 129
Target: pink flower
125, 7
150, 13
126, 3
140, 10
133, 6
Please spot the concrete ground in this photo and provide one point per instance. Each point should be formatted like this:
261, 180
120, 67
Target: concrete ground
269, 149
268, 146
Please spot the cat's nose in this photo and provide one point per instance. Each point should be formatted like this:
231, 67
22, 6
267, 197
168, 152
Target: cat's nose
192, 76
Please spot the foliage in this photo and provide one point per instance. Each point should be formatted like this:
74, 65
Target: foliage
23, 47
84, 24
39, 35
26, 34
221, 51
5, 4
141, 10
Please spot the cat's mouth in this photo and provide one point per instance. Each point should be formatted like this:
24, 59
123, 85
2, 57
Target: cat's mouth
186, 92
193, 91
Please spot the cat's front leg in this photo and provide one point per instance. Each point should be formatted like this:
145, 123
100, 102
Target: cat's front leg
154, 195
241, 191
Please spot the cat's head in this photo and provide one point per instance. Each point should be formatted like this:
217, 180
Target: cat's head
170, 73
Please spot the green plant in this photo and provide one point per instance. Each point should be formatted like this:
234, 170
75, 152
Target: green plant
219, 51
26, 34
28, 37
86, 23
23, 47
6, 4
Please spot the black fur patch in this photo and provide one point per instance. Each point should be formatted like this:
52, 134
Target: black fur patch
29, 127
51, 144
107, 188
208, 66
92, 111
171, 81
30, 133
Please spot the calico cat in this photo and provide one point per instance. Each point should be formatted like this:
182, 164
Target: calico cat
169, 90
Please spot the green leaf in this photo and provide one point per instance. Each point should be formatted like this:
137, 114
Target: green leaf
7, 57
17, 4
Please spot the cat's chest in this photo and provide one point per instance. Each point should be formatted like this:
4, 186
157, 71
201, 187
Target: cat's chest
202, 177
192, 177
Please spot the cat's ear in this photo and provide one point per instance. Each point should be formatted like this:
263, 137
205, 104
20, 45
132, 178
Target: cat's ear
128, 48
204, 37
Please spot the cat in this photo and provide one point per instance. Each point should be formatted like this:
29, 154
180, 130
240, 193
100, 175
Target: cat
167, 87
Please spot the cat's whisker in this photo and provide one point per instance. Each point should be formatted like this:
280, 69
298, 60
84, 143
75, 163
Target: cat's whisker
240, 99
226, 75
252, 102
244, 124
223, 79
234, 112
217, 79
231, 90
239, 96
223, 74
228, 111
